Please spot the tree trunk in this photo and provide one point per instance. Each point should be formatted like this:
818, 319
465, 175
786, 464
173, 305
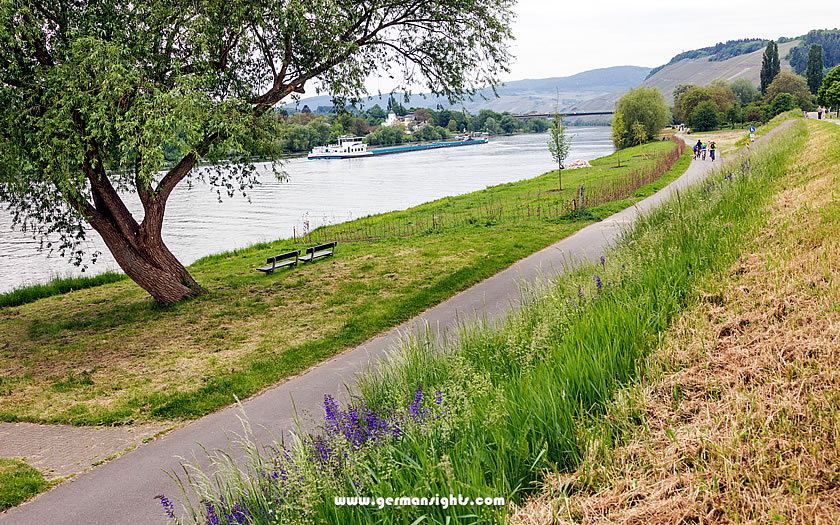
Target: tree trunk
151, 265
560, 174
144, 257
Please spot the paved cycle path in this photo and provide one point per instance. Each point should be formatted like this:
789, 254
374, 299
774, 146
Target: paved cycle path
123, 490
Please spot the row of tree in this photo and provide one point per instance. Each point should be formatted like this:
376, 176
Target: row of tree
304, 130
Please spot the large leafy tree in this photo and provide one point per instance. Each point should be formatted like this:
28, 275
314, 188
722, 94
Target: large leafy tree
814, 71
770, 65
788, 82
829, 93
93, 93
744, 90
644, 105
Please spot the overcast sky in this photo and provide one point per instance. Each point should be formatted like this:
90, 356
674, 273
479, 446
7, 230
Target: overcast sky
561, 38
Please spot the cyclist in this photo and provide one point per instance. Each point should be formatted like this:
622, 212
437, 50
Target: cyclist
703, 149
712, 150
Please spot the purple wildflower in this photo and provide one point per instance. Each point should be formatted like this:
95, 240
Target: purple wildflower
331, 410
212, 517
438, 397
580, 293
167, 505
414, 409
598, 283
603, 260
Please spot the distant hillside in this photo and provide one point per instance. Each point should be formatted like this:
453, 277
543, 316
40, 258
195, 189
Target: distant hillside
521, 96
706, 68
718, 52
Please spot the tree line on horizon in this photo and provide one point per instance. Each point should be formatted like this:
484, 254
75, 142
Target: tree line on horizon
301, 131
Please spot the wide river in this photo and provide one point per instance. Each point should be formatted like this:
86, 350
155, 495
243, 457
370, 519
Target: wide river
315, 192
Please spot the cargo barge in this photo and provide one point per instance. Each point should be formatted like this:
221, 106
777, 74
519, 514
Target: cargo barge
353, 147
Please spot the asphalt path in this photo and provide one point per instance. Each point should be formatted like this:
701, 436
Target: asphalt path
123, 490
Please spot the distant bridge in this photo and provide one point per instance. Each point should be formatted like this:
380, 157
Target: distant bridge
570, 114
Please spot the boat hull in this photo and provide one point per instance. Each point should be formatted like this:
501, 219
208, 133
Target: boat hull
396, 149
337, 155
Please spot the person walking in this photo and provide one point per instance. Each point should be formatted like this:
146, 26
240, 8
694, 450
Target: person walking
712, 150
703, 148
697, 149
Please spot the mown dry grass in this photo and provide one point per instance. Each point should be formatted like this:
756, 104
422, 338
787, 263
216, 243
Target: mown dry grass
68, 351
739, 417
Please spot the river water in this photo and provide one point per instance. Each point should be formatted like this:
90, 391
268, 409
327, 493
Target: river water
316, 192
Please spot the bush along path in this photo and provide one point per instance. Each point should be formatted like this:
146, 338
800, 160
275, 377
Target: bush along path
424, 404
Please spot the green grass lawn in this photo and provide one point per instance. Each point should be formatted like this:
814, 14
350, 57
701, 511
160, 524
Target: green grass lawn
110, 355
18, 483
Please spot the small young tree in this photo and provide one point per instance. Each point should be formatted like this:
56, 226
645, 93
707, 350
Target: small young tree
558, 144
618, 131
640, 135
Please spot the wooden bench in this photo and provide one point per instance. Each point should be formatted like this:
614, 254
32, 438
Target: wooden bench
278, 261
322, 250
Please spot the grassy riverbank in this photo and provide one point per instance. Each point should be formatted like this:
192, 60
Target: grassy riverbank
109, 355
18, 483
736, 418
487, 414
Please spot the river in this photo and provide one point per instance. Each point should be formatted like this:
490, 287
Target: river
315, 192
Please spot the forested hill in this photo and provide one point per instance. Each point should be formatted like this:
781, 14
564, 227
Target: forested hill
829, 39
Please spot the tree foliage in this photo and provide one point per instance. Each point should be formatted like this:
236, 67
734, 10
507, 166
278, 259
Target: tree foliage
829, 93
814, 71
644, 105
744, 90
681, 89
770, 65
91, 92
788, 82
705, 117
783, 102
828, 39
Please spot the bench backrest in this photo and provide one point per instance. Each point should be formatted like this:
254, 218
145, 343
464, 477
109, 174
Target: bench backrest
282, 257
321, 247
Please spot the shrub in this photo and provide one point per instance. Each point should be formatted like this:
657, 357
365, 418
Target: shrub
783, 102
705, 117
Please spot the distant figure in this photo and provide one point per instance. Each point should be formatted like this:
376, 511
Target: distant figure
712, 150
819, 114
703, 148
697, 150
